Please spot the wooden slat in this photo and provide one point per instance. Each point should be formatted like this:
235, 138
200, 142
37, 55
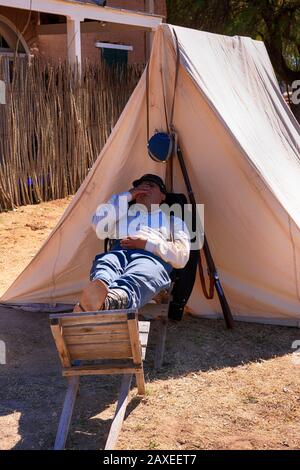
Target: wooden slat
97, 339
108, 369
96, 319
120, 413
144, 328
121, 350
144, 339
102, 328
136, 353
144, 351
92, 314
60, 344
66, 415
140, 381
135, 341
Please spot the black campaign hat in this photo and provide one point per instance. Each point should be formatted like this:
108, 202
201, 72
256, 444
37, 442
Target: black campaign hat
154, 179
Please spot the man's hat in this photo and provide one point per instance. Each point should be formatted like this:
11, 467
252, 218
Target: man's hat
154, 179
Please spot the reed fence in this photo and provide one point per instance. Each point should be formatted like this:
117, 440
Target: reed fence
54, 124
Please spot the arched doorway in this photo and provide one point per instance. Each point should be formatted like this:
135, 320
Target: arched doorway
11, 42
10, 38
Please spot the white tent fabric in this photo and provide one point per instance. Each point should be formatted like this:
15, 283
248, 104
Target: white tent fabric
241, 145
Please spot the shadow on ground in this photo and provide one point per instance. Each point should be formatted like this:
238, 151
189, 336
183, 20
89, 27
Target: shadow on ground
32, 389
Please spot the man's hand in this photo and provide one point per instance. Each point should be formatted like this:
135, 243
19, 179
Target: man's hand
141, 190
133, 243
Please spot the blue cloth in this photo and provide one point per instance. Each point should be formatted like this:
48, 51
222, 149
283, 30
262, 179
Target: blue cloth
138, 272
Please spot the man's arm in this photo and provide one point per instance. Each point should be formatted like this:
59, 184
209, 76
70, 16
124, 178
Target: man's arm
175, 252
108, 214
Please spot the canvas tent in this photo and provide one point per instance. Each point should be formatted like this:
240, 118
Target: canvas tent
241, 145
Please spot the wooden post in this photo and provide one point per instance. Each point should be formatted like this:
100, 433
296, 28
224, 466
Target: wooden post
119, 414
60, 343
74, 41
66, 415
150, 7
160, 347
136, 351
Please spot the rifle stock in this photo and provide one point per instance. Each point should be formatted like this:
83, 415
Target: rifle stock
212, 270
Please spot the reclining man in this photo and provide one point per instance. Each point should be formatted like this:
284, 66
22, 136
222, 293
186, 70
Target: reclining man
143, 254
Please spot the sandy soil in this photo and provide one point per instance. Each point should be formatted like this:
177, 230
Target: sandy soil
22, 233
218, 389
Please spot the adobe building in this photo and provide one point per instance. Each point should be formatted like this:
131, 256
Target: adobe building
77, 30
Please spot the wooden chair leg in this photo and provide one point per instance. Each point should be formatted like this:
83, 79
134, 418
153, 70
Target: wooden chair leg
120, 413
140, 381
66, 415
161, 341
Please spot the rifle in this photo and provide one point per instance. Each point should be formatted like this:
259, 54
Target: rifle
211, 267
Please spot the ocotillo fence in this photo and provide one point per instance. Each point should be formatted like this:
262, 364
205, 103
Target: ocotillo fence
54, 124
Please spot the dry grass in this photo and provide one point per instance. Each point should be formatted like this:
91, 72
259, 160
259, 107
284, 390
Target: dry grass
218, 389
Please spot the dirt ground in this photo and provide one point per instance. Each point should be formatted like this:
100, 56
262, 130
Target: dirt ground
218, 389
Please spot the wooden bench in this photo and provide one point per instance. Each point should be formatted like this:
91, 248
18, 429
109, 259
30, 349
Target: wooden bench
99, 343
157, 311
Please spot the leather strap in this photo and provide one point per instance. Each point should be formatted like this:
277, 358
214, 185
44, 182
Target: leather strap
209, 295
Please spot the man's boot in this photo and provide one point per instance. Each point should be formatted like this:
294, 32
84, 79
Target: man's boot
116, 299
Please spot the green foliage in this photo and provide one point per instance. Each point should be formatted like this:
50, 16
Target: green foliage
276, 22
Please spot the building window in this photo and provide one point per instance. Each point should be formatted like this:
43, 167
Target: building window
114, 54
3, 44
